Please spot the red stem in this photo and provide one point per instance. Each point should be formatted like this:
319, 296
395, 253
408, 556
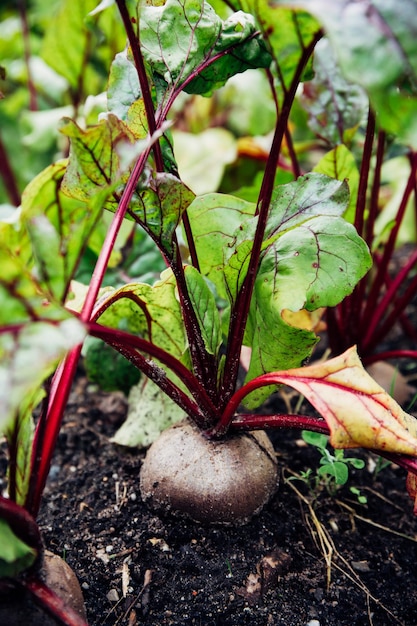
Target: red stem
143, 80
348, 311
129, 344
8, 176
372, 337
48, 426
260, 422
389, 247
376, 186
364, 173
50, 602
390, 354
240, 308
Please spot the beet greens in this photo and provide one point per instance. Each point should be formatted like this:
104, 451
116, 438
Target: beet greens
250, 269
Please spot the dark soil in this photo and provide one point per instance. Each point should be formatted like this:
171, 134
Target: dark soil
328, 561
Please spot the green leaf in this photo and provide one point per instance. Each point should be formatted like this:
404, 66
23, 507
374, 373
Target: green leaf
315, 439
59, 228
107, 367
124, 97
376, 47
151, 312
275, 344
214, 220
19, 434
160, 207
340, 164
205, 307
15, 555
356, 463
288, 33
67, 40
338, 470
150, 412
313, 258
179, 37
21, 294
36, 330
335, 106
96, 166
28, 356
312, 195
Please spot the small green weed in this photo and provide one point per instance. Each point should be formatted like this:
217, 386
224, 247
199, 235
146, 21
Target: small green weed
333, 470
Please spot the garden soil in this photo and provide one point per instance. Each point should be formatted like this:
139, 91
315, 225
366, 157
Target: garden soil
308, 559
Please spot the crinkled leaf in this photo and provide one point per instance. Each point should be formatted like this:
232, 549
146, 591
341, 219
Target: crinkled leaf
124, 97
59, 228
312, 258
205, 307
95, 165
214, 220
21, 294
150, 412
335, 106
15, 555
160, 207
358, 411
376, 46
179, 37
151, 312
315, 264
340, 164
311, 197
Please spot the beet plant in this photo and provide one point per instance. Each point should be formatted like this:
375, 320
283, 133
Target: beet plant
236, 272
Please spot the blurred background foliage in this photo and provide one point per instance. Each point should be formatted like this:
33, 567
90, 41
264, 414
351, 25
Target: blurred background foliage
54, 62
55, 58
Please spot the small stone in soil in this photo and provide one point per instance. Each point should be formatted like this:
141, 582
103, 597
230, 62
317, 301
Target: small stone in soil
113, 596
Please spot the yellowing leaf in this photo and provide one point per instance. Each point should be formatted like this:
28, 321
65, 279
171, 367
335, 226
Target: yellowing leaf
358, 411
308, 320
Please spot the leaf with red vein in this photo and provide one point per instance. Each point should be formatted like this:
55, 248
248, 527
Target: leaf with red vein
358, 411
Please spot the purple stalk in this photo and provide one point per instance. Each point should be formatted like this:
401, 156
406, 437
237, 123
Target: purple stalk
8, 176
260, 422
240, 308
143, 80
374, 335
22, 523
389, 248
376, 186
349, 310
391, 354
364, 174
129, 345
